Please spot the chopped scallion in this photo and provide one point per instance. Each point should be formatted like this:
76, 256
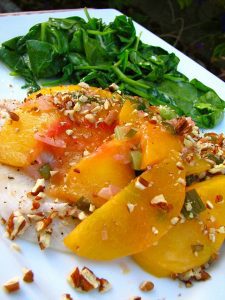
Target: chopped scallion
193, 204
44, 171
136, 157
131, 133
120, 132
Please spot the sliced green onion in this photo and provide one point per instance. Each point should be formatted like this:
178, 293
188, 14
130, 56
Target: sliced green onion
215, 158
120, 132
191, 178
44, 171
131, 133
193, 205
136, 158
83, 204
166, 112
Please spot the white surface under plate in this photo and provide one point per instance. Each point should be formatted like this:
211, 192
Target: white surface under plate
50, 267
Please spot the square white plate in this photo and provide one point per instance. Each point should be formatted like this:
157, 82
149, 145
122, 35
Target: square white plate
50, 267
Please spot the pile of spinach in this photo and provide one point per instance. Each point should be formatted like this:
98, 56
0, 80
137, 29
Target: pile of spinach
75, 50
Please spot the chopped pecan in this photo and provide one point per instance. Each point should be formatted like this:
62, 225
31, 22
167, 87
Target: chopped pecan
183, 126
13, 116
12, 285
38, 187
67, 297
44, 238
104, 285
28, 275
146, 286
85, 280
16, 225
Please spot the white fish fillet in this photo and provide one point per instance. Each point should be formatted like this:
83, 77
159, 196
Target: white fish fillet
13, 197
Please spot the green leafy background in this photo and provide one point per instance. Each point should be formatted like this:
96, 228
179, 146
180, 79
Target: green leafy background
196, 27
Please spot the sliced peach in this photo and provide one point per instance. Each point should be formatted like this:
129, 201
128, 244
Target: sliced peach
130, 222
156, 143
108, 167
188, 245
18, 146
176, 251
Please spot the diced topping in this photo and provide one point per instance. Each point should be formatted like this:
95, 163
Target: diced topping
28, 275
136, 159
193, 204
131, 207
154, 230
160, 202
85, 280
12, 285
16, 225
44, 238
218, 169
69, 132
38, 187
142, 184
67, 297
113, 87
13, 116
146, 286
174, 220
44, 171
195, 274
104, 285
181, 181
209, 204
180, 165
15, 247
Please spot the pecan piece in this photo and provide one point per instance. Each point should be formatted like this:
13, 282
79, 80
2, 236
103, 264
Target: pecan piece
12, 285
16, 225
28, 275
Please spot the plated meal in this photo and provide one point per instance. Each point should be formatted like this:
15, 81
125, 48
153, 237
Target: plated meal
115, 164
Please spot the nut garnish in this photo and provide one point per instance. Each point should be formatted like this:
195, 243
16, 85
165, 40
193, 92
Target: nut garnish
38, 187
12, 285
44, 238
104, 285
67, 297
131, 207
85, 280
146, 286
160, 202
15, 247
142, 184
16, 225
154, 230
28, 275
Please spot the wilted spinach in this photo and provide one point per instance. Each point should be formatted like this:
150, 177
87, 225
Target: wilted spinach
75, 50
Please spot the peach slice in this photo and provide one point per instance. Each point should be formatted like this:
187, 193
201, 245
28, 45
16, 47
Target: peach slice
107, 169
190, 244
135, 218
18, 146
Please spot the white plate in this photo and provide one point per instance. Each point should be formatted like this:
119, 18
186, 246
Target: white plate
50, 267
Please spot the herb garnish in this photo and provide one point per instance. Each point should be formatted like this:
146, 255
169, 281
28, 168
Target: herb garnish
75, 50
193, 204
